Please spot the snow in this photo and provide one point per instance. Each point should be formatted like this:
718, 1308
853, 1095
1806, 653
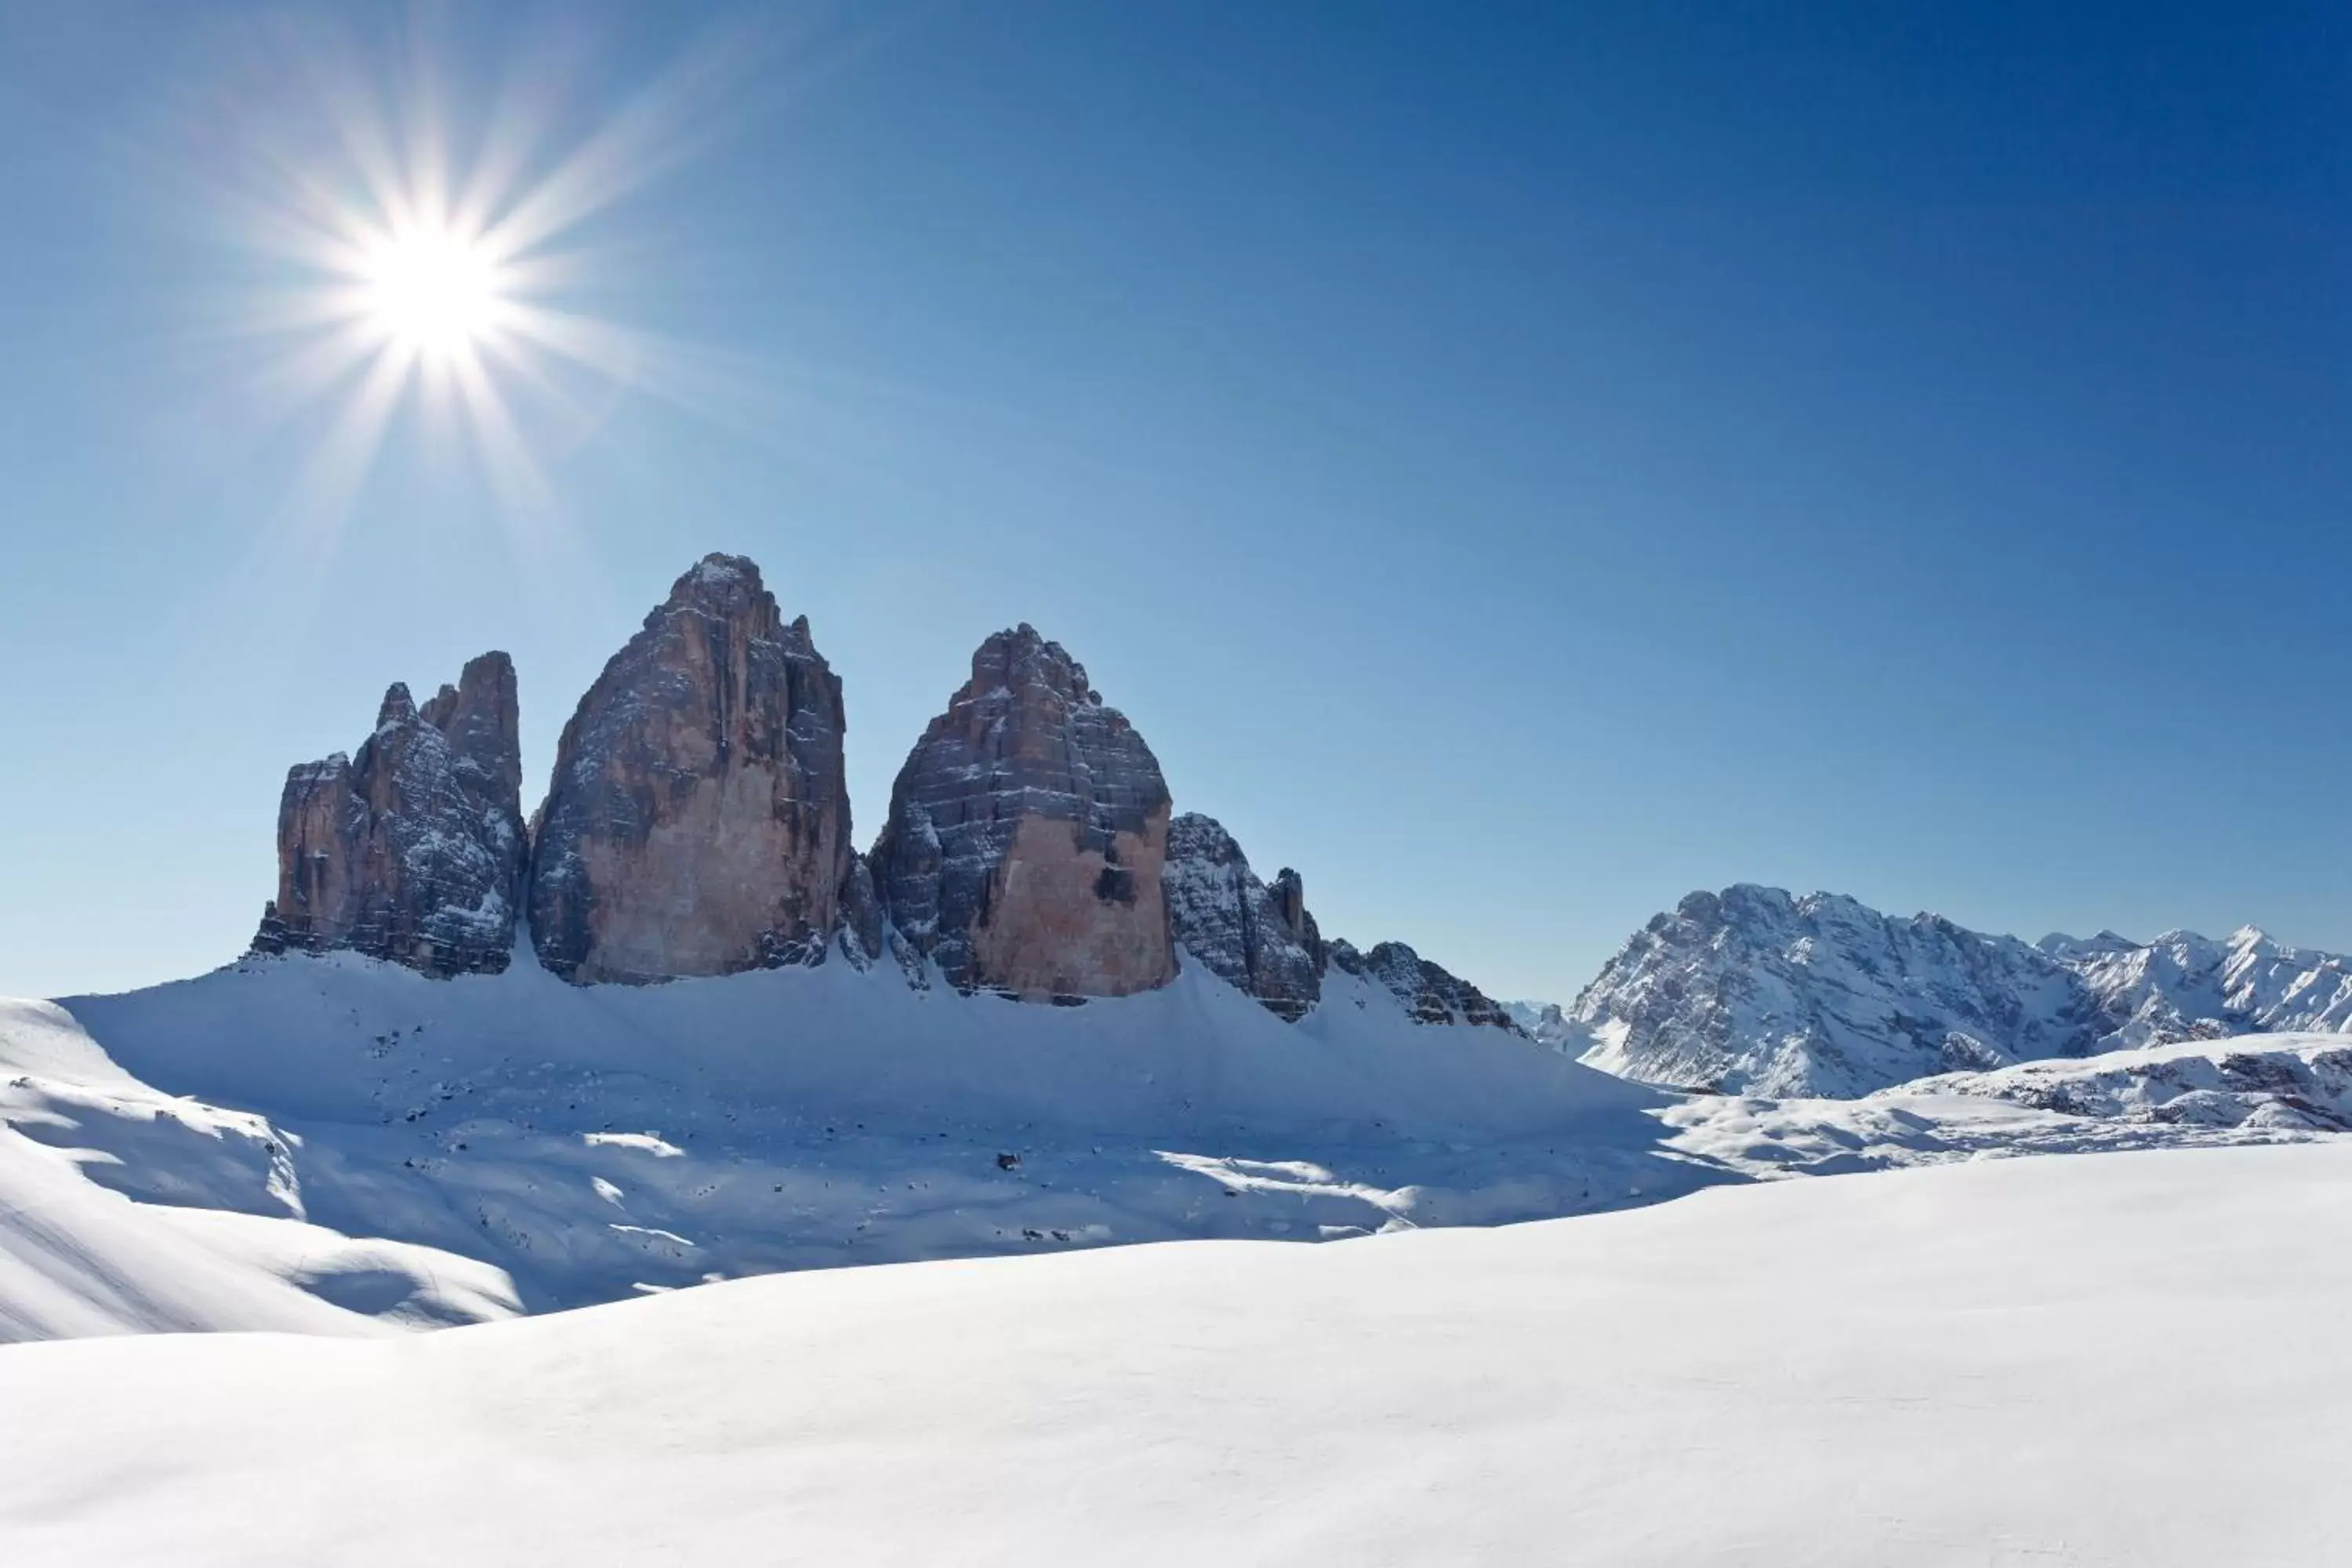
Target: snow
577, 1144
218, 1241
2123, 1361
423, 1153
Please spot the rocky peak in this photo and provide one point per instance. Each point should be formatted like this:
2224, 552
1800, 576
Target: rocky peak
413, 849
1431, 994
1026, 835
698, 821
1758, 990
1257, 937
477, 716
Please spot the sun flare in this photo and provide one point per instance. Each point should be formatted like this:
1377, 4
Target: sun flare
433, 290
419, 258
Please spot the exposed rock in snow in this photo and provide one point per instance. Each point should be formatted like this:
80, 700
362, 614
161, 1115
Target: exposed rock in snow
2300, 1082
1026, 835
1432, 995
414, 849
1755, 991
699, 818
1247, 933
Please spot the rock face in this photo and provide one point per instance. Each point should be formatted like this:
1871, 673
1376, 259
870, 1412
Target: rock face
1431, 994
414, 849
1258, 938
1753, 990
1027, 833
699, 818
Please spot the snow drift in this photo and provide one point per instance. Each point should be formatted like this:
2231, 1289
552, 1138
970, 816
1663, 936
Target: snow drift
2069, 1361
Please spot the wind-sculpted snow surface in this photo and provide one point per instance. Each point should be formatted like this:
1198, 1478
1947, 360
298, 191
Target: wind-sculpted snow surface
592, 1141
1758, 992
126, 1210
2132, 1361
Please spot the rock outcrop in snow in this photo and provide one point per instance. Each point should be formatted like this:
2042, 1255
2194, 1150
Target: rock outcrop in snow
1257, 937
699, 818
1431, 994
1026, 835
2293, 1083
412, 849
1756, 991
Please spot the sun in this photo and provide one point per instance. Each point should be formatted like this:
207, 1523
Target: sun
431, 289
415, 258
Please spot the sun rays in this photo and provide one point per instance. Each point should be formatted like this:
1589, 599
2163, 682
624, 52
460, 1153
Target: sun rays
409, 260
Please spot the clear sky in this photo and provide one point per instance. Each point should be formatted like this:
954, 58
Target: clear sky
1515, 463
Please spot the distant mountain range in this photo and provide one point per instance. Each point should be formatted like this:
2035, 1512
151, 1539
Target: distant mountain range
1756, 991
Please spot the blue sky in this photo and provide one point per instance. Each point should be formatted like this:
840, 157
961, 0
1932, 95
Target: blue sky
1517, 465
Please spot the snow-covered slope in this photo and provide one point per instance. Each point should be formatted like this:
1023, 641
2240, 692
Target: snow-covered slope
219, 1241
2251, 1090
2138, 1360
591, 1142
2289, 1083
1756, 991
336, 1131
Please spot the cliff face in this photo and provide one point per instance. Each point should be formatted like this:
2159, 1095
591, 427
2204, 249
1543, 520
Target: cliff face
1252, 935
413, 849
698, 821
1026, 835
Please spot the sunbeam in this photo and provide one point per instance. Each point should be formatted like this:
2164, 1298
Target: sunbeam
412, 264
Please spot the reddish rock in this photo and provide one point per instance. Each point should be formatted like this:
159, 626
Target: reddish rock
412, 850
1026, 835
699, 818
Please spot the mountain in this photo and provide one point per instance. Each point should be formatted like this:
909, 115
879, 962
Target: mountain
2009, 1362
1753, 990
674, 1028
1026, 834
1256, 937
698, 823
414, 849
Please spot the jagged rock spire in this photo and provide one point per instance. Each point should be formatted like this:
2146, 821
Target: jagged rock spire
413, 850
698, 821
1026, 835
1257, 937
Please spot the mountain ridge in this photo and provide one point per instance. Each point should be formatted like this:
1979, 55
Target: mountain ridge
1759, 990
